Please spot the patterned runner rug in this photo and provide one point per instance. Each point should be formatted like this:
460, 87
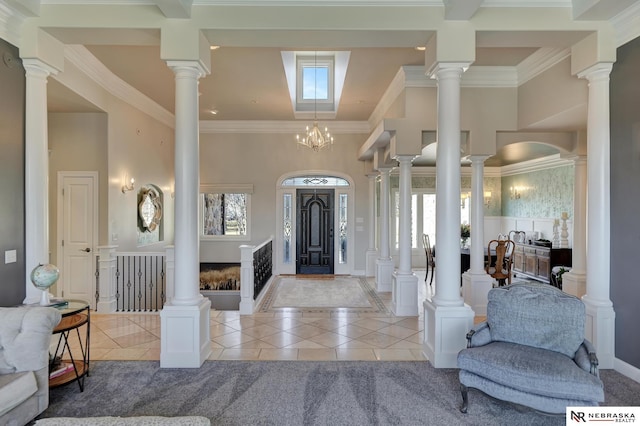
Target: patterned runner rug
353, 294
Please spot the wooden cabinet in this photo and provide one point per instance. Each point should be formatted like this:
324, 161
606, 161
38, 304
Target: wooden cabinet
536, 262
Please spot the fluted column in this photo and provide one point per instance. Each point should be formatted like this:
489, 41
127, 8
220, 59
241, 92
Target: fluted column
476, 283
384, 264
575, 281
446, 318
372, 252
36, 178
601, 322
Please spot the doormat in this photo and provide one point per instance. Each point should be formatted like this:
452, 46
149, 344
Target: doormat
344, 294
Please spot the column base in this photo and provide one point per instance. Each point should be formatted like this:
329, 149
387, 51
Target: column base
384, 274
370, 265
108, 306
445, 330
600, 329
404, 301
475, 288
574, 283
185, 337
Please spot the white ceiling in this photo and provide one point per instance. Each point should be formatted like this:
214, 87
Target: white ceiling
247, 81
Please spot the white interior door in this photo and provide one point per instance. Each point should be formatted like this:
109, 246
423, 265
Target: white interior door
77, 234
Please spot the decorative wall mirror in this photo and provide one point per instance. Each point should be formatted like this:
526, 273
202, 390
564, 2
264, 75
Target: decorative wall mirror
149, 209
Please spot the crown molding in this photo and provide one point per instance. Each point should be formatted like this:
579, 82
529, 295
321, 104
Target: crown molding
279, 127
88, 64
540, 61
490, 77
544, 163
10, 24
626, 24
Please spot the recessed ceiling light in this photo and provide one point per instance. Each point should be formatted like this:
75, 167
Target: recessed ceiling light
214, 47
213, 111
421, 48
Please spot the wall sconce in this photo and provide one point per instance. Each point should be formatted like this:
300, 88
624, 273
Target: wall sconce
128, 186
514, 192
463, 198
487, 198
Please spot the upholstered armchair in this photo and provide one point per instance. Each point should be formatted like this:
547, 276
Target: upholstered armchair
531, 351
25, 335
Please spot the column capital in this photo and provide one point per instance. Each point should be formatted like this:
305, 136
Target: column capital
194, 67
405, 158
599, 71
442, 70
478, 159
38, 68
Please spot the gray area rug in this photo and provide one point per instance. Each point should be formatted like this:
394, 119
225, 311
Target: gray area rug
300, 393
348, 294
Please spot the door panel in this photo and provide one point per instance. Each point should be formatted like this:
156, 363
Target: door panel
315, 231
78, 233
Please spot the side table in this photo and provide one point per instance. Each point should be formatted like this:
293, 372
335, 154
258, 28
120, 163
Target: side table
75, 315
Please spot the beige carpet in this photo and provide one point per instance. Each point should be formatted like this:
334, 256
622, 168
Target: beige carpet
341, 292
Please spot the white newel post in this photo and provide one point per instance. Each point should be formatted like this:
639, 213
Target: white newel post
107, 301
246, 280
185, 335
476, 283
446, 318
600, 327
36, 173
404, 300
384, 264
372, 252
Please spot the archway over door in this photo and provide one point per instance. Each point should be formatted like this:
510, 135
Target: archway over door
315, 223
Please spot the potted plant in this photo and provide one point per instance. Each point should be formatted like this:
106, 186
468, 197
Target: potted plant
465, 233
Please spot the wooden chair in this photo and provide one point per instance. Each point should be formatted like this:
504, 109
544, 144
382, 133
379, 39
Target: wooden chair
501, 269
431, 262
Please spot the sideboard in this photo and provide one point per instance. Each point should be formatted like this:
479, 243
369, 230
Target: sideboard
537, 261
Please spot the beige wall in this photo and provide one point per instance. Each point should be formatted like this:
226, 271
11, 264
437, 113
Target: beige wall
260, 159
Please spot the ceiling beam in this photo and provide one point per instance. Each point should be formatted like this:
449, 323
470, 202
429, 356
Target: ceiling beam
461, 10
175, 8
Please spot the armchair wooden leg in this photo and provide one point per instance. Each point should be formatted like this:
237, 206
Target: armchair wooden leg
465, 398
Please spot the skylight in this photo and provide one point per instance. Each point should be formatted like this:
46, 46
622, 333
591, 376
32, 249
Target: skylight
315, 81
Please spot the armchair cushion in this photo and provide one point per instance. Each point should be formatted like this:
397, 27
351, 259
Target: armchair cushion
532, 371
15, 389
559, 318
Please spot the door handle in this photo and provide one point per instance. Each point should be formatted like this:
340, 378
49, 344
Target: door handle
88, 250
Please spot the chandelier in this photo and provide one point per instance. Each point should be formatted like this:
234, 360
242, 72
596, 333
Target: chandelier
315, 138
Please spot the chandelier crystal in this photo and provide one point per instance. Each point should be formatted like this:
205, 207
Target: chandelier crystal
314, 138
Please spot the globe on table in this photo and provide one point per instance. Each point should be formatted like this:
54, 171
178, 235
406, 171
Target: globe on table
43, 277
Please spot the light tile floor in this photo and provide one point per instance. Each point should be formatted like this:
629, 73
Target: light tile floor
286, 335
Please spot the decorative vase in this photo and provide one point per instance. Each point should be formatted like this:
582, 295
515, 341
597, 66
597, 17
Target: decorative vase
43, 277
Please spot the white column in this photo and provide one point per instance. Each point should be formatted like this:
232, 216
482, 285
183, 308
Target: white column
372, 252
107, 268
404, 300
476, 283
384, 264
446, 318
185, 337
36, 174
600, 314
575, 281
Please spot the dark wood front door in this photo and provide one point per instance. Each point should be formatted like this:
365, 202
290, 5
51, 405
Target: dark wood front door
314, 229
